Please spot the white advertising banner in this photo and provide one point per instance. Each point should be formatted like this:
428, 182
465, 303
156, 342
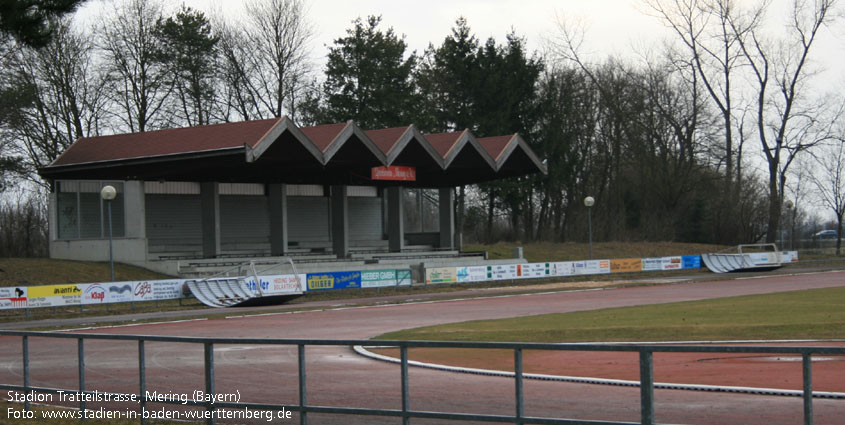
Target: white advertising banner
533, 270
562, 268
13, 297
652, 264
673, 263
472, 274
155, 290
597, 267
502, 272
277, 284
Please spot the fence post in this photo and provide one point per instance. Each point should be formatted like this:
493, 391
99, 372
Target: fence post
406, 398
81, 364
25, 349
807, 361
142, 379
517, 368
209, 378
303, 415
646, 388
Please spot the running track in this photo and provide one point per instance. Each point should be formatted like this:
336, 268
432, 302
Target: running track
338, 377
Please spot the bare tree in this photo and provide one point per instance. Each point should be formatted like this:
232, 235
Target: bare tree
265, 59
61, 98
829, 182
140, 84
705, 31
785, 124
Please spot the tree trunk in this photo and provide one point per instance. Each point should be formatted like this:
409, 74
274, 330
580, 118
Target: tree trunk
774, 207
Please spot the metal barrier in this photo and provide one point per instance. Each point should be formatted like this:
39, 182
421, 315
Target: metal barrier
645, 351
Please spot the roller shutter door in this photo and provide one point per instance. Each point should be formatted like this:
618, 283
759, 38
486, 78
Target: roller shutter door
365, 219
308, 219
173, 223
244, 222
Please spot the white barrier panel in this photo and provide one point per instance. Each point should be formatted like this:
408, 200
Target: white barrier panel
502, 272
533, 270
597, 267
472, 274
13, 297
276, 284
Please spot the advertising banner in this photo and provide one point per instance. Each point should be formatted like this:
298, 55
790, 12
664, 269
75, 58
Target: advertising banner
333, 280
534, 270
652, 264
579, 267
382, 278
153, 290
472, 274
13, 297
54, 295
502, 272
441, 275
672, 263
760, 258
691, 261
597, 267
789, 256
626, 265
277, 284
563, 268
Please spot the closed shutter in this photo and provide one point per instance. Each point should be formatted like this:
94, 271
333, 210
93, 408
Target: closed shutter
308, 219
173, 223
244, 222
365, 219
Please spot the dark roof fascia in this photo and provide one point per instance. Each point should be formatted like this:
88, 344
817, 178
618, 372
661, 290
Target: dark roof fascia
284, 124
55, 169
471, 140
513, 143
413, 133
344, 136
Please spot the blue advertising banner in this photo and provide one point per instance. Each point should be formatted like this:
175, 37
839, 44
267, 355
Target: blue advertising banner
333, 280
692, 261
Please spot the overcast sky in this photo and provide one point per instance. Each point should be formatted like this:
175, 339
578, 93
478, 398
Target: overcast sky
615, 27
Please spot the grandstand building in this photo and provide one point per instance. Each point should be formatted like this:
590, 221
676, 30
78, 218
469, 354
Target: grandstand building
269, 188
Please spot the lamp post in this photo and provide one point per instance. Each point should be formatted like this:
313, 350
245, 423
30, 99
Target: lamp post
589, 202
108, 193
789, 205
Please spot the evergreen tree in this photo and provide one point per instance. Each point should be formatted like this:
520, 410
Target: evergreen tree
188, 48
368, 77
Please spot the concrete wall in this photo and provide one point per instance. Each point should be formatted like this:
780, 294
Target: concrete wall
131, 249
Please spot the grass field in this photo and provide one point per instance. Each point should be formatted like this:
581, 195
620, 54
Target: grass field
808, 314
45, 271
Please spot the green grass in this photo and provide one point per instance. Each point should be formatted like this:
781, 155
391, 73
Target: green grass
807, 314
548, 251
45, 271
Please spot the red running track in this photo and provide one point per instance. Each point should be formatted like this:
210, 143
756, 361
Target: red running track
338, 377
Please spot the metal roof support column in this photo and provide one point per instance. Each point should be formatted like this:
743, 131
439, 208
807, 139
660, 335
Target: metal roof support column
210, 204
395, 219
340, 221
278, 201
447, 217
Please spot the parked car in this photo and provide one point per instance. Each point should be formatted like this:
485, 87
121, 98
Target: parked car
825, 234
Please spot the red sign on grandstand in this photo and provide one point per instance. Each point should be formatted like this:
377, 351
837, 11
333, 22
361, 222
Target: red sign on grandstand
395, 172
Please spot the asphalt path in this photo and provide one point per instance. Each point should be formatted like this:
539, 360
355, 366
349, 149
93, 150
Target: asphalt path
338, 377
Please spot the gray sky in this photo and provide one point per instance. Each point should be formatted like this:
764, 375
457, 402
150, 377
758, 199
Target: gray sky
614, 27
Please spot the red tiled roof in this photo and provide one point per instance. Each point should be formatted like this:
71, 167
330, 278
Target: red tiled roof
166, 142
495, 145
323, 135
443, 142
386, 138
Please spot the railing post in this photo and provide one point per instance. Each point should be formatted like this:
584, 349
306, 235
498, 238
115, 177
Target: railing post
406, 399
646, 388
303, 415
517, 375
209, 378
25, 349
808, 388
81, 364
142, 379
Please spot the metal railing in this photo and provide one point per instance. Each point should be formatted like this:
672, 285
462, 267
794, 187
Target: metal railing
646, 366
